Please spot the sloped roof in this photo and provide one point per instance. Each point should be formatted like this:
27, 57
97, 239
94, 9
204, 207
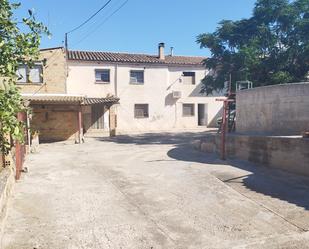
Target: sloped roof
59, 98
93, 101
67, 98
134, 58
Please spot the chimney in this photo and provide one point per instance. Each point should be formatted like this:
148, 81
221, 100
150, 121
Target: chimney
172, 51
161, 51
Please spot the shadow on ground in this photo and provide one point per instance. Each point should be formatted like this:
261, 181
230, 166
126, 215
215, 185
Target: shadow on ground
271, 182
156, 138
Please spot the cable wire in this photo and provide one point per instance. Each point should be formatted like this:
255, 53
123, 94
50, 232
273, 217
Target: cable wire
90, 17
104, 21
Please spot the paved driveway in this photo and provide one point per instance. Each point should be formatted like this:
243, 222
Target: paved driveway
153, 191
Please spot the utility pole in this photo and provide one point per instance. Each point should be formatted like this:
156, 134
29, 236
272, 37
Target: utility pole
66, 41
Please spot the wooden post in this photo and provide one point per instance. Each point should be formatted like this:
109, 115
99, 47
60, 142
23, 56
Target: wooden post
80, 125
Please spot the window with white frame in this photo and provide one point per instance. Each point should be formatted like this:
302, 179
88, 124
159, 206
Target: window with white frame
137, 77
102, 76
31, 74
188, 110
141, 111
188, 78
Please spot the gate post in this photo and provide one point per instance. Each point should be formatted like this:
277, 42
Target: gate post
18, 152
80, 125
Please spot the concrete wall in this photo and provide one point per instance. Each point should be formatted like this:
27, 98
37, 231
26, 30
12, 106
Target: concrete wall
81, 80
279, 109
286, 153
54, 73
159, 83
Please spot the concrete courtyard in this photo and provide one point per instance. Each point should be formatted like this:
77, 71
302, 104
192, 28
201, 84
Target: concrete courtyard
153, 191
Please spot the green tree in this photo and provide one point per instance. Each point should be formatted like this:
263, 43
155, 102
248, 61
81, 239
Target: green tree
271, 47
19, 44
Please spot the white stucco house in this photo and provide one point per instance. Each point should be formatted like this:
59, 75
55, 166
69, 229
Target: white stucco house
156, 92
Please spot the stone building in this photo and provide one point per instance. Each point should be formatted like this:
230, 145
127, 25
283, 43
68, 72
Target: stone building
56, 114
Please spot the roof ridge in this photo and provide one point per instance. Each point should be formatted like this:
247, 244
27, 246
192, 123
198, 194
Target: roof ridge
51, 48
136, 53
121, 57
192, 56
111, 52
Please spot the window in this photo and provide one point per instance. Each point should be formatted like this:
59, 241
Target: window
188, 110
35, 74
189, 78
141, 111
30, 74
22, 74
137, 77
102, 75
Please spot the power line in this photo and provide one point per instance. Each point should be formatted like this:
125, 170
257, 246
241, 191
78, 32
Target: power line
72, 30
104, 21
89, 18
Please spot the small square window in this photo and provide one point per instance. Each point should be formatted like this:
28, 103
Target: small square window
188, 110
102, 75
137, 77
188, 78
141, 111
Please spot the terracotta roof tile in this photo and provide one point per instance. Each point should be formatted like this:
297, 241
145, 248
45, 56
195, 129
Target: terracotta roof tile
68, 98
53, 98
133, 58
92, 101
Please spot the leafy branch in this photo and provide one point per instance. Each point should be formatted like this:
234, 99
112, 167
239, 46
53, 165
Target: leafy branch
19, 44
271, 47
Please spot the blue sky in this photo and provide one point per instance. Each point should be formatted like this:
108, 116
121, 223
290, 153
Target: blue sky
139, 26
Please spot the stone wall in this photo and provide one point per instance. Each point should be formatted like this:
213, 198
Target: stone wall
55, 122
278, 110
286, 153
54, 73
7, 181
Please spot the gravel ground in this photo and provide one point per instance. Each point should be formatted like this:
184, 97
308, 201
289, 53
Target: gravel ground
153, 191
